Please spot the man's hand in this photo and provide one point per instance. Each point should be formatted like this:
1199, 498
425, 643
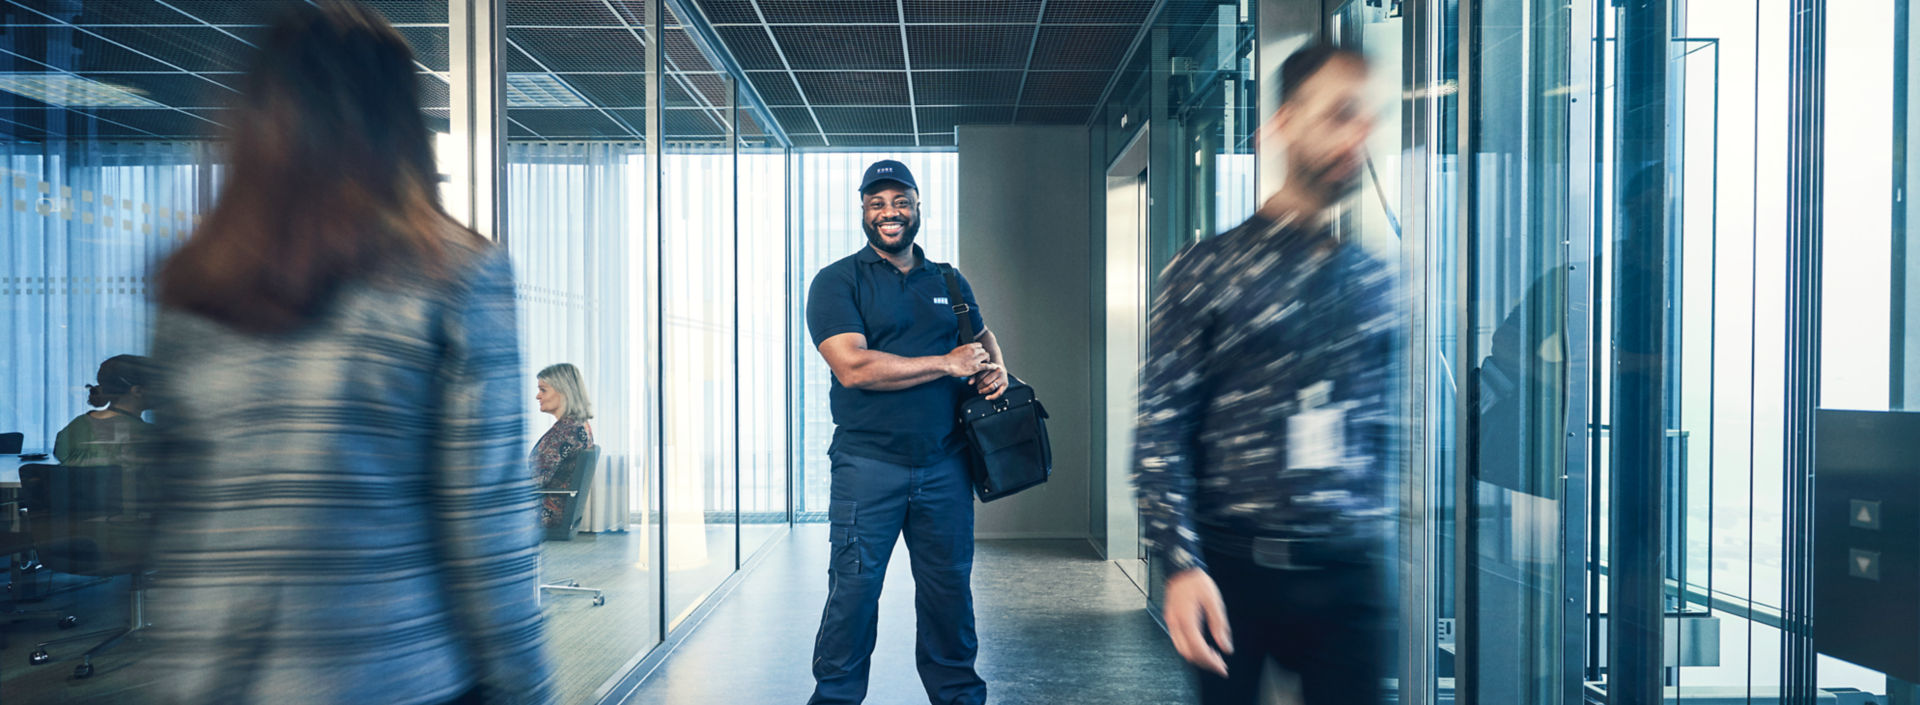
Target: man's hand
969, 360
992, 383
1192, 599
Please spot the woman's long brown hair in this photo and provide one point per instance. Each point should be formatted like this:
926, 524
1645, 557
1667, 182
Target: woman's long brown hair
332, 177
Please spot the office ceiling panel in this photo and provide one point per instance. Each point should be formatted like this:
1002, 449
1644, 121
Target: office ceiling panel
866, 120
967, 53
945, 119
815, 12
1080, 48
854, 88
555, 13
752, 48
868, 69
776, 87
966, 87
1064, 87
973, 11
976, 47
841, 48
1053, 116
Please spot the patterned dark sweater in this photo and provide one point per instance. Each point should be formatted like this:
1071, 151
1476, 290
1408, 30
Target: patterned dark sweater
1264, 400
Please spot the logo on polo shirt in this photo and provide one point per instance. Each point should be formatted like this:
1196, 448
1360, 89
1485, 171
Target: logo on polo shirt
940, 299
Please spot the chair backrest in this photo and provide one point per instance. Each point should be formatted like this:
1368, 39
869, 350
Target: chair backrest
80, 521
581, 471
11, 443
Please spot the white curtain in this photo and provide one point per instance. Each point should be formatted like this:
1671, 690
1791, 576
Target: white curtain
81, 226
583, 254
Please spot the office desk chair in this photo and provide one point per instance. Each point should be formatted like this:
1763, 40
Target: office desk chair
83, 523
581, 471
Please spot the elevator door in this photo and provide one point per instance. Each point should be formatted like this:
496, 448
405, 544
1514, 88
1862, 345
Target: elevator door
1126, 318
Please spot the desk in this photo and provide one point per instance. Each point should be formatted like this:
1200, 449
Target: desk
10, 468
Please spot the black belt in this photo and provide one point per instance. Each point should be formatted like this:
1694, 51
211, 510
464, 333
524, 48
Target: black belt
1295, 552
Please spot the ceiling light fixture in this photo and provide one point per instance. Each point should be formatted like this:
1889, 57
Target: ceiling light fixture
541, 90
69, 91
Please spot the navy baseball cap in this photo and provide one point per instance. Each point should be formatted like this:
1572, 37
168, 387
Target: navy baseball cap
887, 170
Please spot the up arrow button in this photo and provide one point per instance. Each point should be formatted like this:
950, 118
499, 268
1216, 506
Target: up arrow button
1864, 514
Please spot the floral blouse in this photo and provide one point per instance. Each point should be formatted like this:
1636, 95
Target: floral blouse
549, 458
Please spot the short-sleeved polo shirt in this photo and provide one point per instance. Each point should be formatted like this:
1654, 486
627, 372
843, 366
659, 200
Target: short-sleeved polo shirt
900, 314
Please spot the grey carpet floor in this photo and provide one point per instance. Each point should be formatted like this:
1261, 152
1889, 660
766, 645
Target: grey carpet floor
1057, 625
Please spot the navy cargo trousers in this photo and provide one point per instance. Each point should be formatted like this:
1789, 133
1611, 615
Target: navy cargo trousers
873, 503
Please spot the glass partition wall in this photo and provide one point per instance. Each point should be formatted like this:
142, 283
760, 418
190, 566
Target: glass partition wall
643, 201
1647, 245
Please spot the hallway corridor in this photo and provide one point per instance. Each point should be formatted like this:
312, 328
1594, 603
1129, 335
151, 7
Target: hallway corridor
1057, 626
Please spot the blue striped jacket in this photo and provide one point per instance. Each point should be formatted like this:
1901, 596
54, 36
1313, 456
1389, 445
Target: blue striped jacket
348, 516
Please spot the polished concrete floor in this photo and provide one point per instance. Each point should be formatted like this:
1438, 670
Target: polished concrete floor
1058, 626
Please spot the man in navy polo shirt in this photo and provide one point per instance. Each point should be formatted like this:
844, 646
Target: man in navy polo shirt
883, 320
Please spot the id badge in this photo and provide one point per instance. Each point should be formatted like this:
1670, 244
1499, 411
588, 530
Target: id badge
1316, 436
1316, 439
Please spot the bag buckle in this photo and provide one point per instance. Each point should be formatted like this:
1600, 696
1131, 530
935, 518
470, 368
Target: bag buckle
961, 309
1278, 553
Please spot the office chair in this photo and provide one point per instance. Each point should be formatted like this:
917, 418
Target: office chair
82, 523
11, 443
581, 471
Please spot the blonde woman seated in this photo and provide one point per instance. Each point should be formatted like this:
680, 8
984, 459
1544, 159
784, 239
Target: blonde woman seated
564, 395
111, 433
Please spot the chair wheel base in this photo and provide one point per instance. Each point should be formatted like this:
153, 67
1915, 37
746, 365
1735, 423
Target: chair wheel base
599, 600
69, 622
84, 670
39, 657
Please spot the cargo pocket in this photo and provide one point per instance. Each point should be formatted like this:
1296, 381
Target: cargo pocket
845, 538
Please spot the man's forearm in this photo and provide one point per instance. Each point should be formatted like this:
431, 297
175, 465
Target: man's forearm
987, 340
883, 372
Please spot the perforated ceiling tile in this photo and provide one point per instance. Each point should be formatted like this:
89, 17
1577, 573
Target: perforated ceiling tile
821, 12
751, 48
163, 123
866, 120
871, 140
402, 11
841, 48
561, 13
187, 48
684, 123
683, 55
581, 49
429, 46
961, 47
708, 88
966, 87
808, 140
945, 119
434, 92
1061, 48
1097, 11
936, 140
625, 90
1016, 11
728, 11
775, 87
795, 119
1054, 116
1064, 87
854, 87
557, 124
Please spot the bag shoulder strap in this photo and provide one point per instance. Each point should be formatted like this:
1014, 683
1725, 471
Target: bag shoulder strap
959, 303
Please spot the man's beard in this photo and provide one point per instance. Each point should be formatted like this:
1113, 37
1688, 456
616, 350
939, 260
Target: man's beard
909, 229
1336, 189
